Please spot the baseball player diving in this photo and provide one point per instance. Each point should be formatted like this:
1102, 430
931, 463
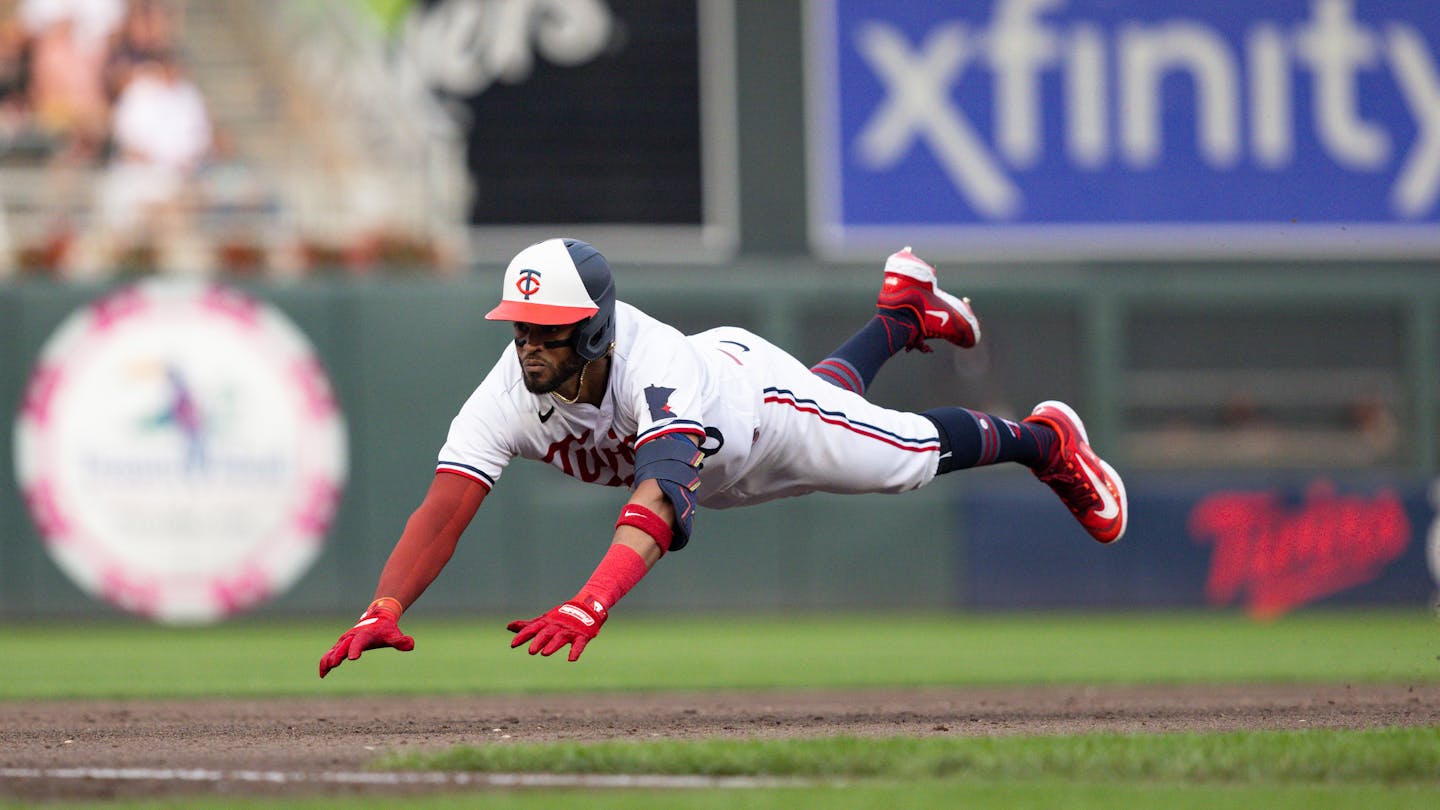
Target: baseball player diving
723, 418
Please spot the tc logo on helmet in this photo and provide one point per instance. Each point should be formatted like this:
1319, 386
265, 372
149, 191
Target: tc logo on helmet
528, 283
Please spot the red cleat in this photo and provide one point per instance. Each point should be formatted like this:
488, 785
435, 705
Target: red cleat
1090, 488
910, 284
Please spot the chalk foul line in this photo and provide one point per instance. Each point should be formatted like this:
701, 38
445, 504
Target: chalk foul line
399, 779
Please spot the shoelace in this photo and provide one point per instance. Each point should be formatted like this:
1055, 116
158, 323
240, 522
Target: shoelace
917, 340
918, 344
1072, 487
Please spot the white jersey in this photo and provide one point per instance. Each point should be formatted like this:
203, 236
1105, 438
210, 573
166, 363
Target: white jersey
771, 428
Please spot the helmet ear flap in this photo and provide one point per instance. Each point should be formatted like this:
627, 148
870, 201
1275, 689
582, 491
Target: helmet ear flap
592, 336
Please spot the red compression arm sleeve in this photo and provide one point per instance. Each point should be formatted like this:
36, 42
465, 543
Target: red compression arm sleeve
430, 537
620, 570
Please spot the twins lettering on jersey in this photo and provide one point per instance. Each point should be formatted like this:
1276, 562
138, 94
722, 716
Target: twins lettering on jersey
610, 463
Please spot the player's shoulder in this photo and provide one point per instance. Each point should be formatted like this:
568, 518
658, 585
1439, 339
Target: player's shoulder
629, 316
638, 332
650, 352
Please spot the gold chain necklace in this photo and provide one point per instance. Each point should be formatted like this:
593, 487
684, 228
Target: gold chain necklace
579, 387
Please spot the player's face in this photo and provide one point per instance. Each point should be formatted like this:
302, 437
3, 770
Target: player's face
546, 359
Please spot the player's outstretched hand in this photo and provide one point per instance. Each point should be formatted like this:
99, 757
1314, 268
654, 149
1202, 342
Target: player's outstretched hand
378, 627
575, 623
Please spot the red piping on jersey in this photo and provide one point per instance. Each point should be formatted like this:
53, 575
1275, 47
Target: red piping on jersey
844, 424
691, 431
477, 479
731, 356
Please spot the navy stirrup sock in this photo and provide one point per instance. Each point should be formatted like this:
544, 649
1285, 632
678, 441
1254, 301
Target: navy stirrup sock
974, 439
967, 438
854, 365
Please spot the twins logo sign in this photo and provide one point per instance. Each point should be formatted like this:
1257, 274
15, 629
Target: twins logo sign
1133, 127
180, 451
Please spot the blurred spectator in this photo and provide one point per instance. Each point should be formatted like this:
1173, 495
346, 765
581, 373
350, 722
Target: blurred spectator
70, 46
14, 80
149, 30
95, 21
162, 135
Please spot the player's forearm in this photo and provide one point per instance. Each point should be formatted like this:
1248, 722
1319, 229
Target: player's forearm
641, 538
430, 537
639, 542
416, 561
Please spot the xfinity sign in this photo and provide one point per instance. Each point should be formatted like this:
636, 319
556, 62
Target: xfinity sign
1071, 128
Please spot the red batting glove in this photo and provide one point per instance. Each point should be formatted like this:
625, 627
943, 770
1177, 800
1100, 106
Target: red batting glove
378, 627
575, 623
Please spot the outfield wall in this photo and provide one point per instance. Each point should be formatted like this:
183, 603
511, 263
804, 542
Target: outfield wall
403, 355
1193, 376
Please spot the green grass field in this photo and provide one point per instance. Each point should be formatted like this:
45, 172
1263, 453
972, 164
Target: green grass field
1311, 769
253, 658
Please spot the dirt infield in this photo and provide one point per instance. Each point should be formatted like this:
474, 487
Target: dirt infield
57, 750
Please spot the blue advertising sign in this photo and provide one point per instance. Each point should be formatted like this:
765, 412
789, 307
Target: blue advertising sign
1263, 544
1124, 127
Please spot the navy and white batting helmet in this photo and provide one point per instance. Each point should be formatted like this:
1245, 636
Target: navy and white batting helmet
560, 281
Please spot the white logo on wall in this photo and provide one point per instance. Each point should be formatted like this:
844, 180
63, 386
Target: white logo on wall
181, 451
1019, 46
464, 46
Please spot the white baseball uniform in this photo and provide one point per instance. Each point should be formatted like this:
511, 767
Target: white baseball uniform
772, 428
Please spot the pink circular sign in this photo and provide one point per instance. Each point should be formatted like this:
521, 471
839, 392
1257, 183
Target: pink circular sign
181, 451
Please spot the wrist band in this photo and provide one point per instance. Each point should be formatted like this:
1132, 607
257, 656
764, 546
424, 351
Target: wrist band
389, 604
646, 521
